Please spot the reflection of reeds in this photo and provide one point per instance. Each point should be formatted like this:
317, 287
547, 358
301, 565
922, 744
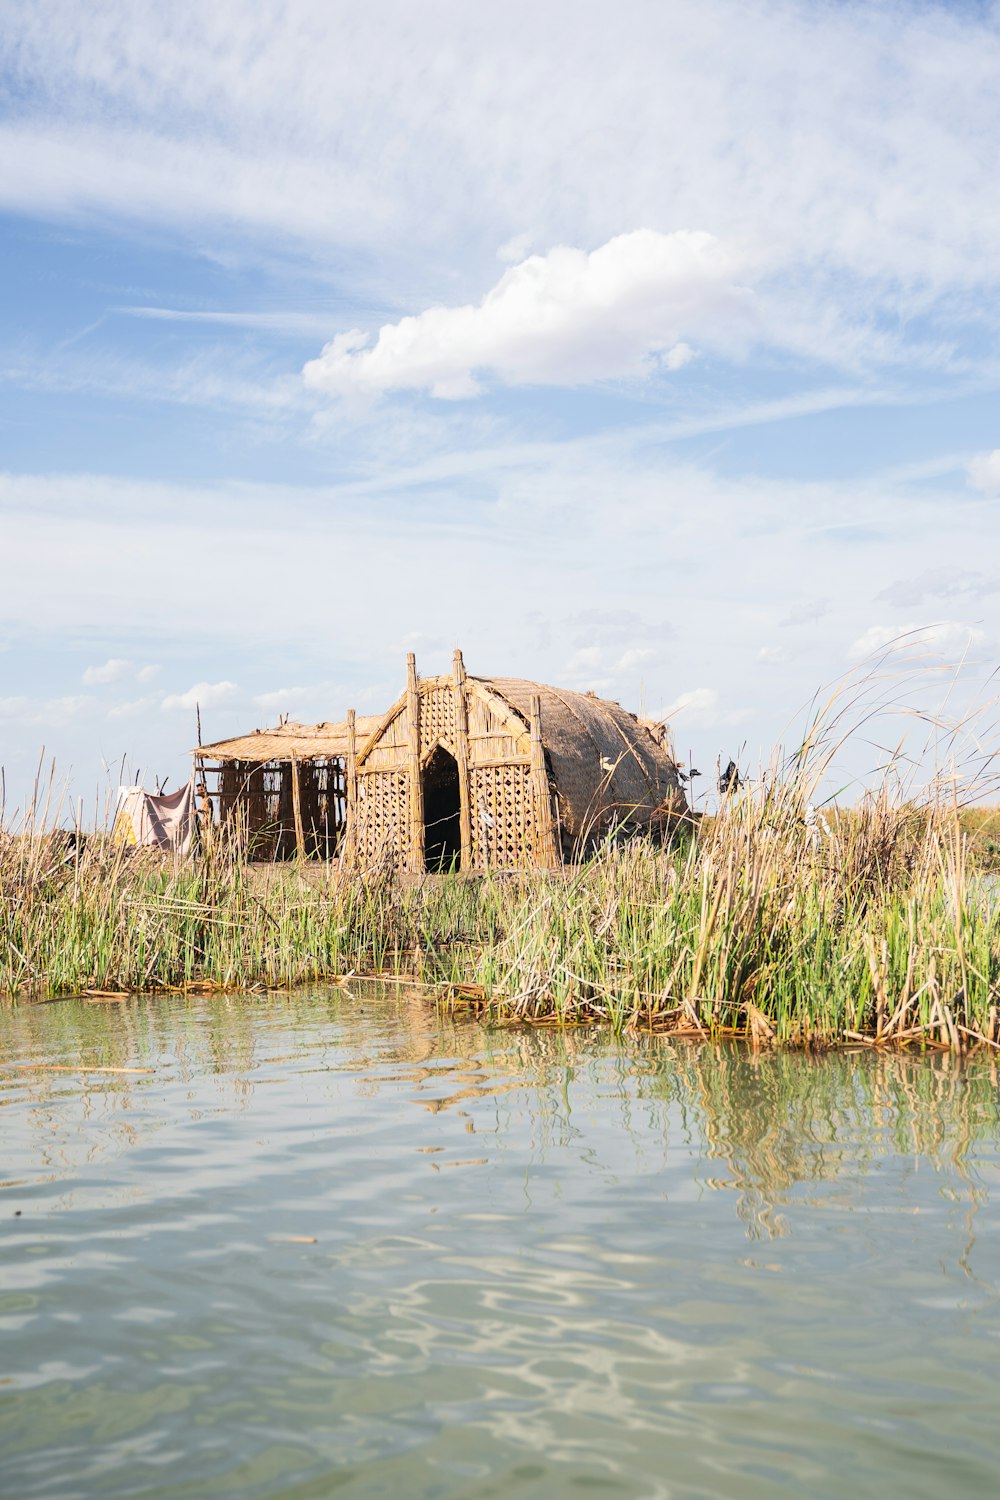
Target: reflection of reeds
792, 1118
771, 1127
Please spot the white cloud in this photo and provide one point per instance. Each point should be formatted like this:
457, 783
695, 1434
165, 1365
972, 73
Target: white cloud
950, 639
133, 708
147, 673
113, 670
603, 535
516, 248
701, 709
43, 711
940, 583
604, 670
439, 132
587, 659
203, 694
280, 698
634, 660
805, 613
772, 656
677, 357
565, 318
616, 627
984, 472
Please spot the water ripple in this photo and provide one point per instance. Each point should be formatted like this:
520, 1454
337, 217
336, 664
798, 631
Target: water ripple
330, 1247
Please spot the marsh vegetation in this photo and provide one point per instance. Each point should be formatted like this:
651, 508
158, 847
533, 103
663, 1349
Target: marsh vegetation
879, 927
776, 919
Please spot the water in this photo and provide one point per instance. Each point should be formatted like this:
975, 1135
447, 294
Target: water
337, 1245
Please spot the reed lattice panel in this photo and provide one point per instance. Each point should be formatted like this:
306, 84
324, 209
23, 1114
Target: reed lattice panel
502, 817
382, 817
437, 717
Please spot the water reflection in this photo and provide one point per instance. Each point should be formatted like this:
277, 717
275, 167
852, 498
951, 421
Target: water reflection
340, 1238
762, 1125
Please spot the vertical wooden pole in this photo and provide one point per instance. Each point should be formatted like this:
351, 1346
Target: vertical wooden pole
462, 760
351, 790
350, 841
201, 823
543, 837
300, 836
415, 860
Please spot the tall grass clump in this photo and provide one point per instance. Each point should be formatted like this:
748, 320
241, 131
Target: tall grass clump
771, 920
775, 920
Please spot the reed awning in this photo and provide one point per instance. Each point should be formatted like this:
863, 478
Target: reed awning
303, 741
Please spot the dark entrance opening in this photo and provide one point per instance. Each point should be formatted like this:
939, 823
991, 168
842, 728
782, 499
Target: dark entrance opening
442, 822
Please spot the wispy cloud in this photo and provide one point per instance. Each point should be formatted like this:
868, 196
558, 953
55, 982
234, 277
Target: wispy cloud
984, 472
232, 126
805, 612
118, 669
940, 583
295, 324
280, 699
133, 708
112, 670
703, 708
43, 712
203, 695
951, 640
210, 378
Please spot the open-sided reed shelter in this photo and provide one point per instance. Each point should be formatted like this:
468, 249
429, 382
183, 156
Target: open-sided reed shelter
284, 790
483, 773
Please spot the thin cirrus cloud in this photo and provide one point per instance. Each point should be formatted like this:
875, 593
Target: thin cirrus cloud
442, 123
568, 317
946, 582
950, 640
984, 472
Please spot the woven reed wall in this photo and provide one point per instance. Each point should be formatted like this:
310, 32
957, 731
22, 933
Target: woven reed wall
503, 818
256, 803
382, 821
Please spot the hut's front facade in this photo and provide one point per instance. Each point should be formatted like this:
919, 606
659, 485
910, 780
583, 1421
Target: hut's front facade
498, 773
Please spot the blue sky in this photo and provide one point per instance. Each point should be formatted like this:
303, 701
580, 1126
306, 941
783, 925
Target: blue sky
649, 348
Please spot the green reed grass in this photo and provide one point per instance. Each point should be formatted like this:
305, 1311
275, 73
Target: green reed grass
879, 929
872, 924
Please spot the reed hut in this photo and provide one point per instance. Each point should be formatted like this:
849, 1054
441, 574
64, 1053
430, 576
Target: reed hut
283, 791
481, 773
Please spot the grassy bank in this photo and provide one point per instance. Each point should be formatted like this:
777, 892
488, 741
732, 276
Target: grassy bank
875, 927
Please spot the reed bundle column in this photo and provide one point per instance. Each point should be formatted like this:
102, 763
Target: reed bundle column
351, 786
462, 760
300, 835
543, 833
415, 855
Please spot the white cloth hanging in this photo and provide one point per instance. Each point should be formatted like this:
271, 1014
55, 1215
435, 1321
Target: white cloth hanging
156, 822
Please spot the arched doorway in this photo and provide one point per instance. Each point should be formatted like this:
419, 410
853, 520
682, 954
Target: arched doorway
442, 815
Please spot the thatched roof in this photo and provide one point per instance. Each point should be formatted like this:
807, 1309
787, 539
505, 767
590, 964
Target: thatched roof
606, 763
304, 741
